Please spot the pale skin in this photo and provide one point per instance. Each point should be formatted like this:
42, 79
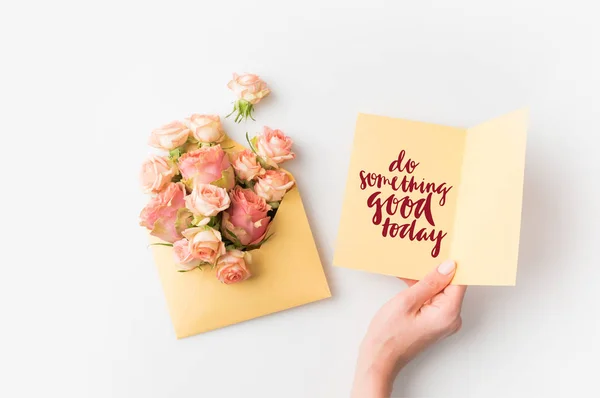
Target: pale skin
416, 318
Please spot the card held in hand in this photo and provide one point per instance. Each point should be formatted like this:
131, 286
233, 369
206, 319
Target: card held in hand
419, 193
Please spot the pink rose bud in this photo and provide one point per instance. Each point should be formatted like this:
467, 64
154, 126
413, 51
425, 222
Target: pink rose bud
157, 172
249, 89
160, 213
246, 165
205, 128
274, 147
205, 166
246, 217
169, 136
183, 256
207, 200
205, 244
273, 185
232, 267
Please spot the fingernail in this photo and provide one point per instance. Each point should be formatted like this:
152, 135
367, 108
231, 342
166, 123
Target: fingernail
446, 267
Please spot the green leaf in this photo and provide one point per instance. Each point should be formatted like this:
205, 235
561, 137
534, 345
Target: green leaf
264, 164
197, 220
161, 244
274, 205
233, 237
242, 109
233, 111
227, 178
175, 154
250, 144
215, 222
259, 244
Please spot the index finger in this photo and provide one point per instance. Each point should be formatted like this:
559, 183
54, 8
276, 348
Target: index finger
432, 284
456, 294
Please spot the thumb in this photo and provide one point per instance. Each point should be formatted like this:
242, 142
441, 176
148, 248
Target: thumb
432, 284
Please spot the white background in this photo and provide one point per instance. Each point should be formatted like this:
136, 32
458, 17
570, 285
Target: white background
82, 84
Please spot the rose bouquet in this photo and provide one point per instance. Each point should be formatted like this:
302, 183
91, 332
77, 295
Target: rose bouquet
213, 205
213, 202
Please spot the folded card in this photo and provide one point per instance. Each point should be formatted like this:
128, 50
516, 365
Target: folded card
419, 193
286, 272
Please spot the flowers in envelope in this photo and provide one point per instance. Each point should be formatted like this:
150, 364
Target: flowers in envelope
212, 207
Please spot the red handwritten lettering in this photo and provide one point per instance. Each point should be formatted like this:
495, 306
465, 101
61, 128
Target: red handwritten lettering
407, 206
404, 206
409, 231
377, 180
409, 166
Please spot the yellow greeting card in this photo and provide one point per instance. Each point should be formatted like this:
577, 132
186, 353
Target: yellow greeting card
419, 193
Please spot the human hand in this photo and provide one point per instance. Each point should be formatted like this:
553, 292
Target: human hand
414, 319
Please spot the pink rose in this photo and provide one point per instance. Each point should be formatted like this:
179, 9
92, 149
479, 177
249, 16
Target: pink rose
157, 172
232, 267
183, 256
205, 128
169, 136
205, 244
273, 185
207, 165
207, 200
248, 87
246, 217
274, 146
160, 213
245, 165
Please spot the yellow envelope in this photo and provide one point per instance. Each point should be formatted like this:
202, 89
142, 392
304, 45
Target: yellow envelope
419, 193
286, 272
